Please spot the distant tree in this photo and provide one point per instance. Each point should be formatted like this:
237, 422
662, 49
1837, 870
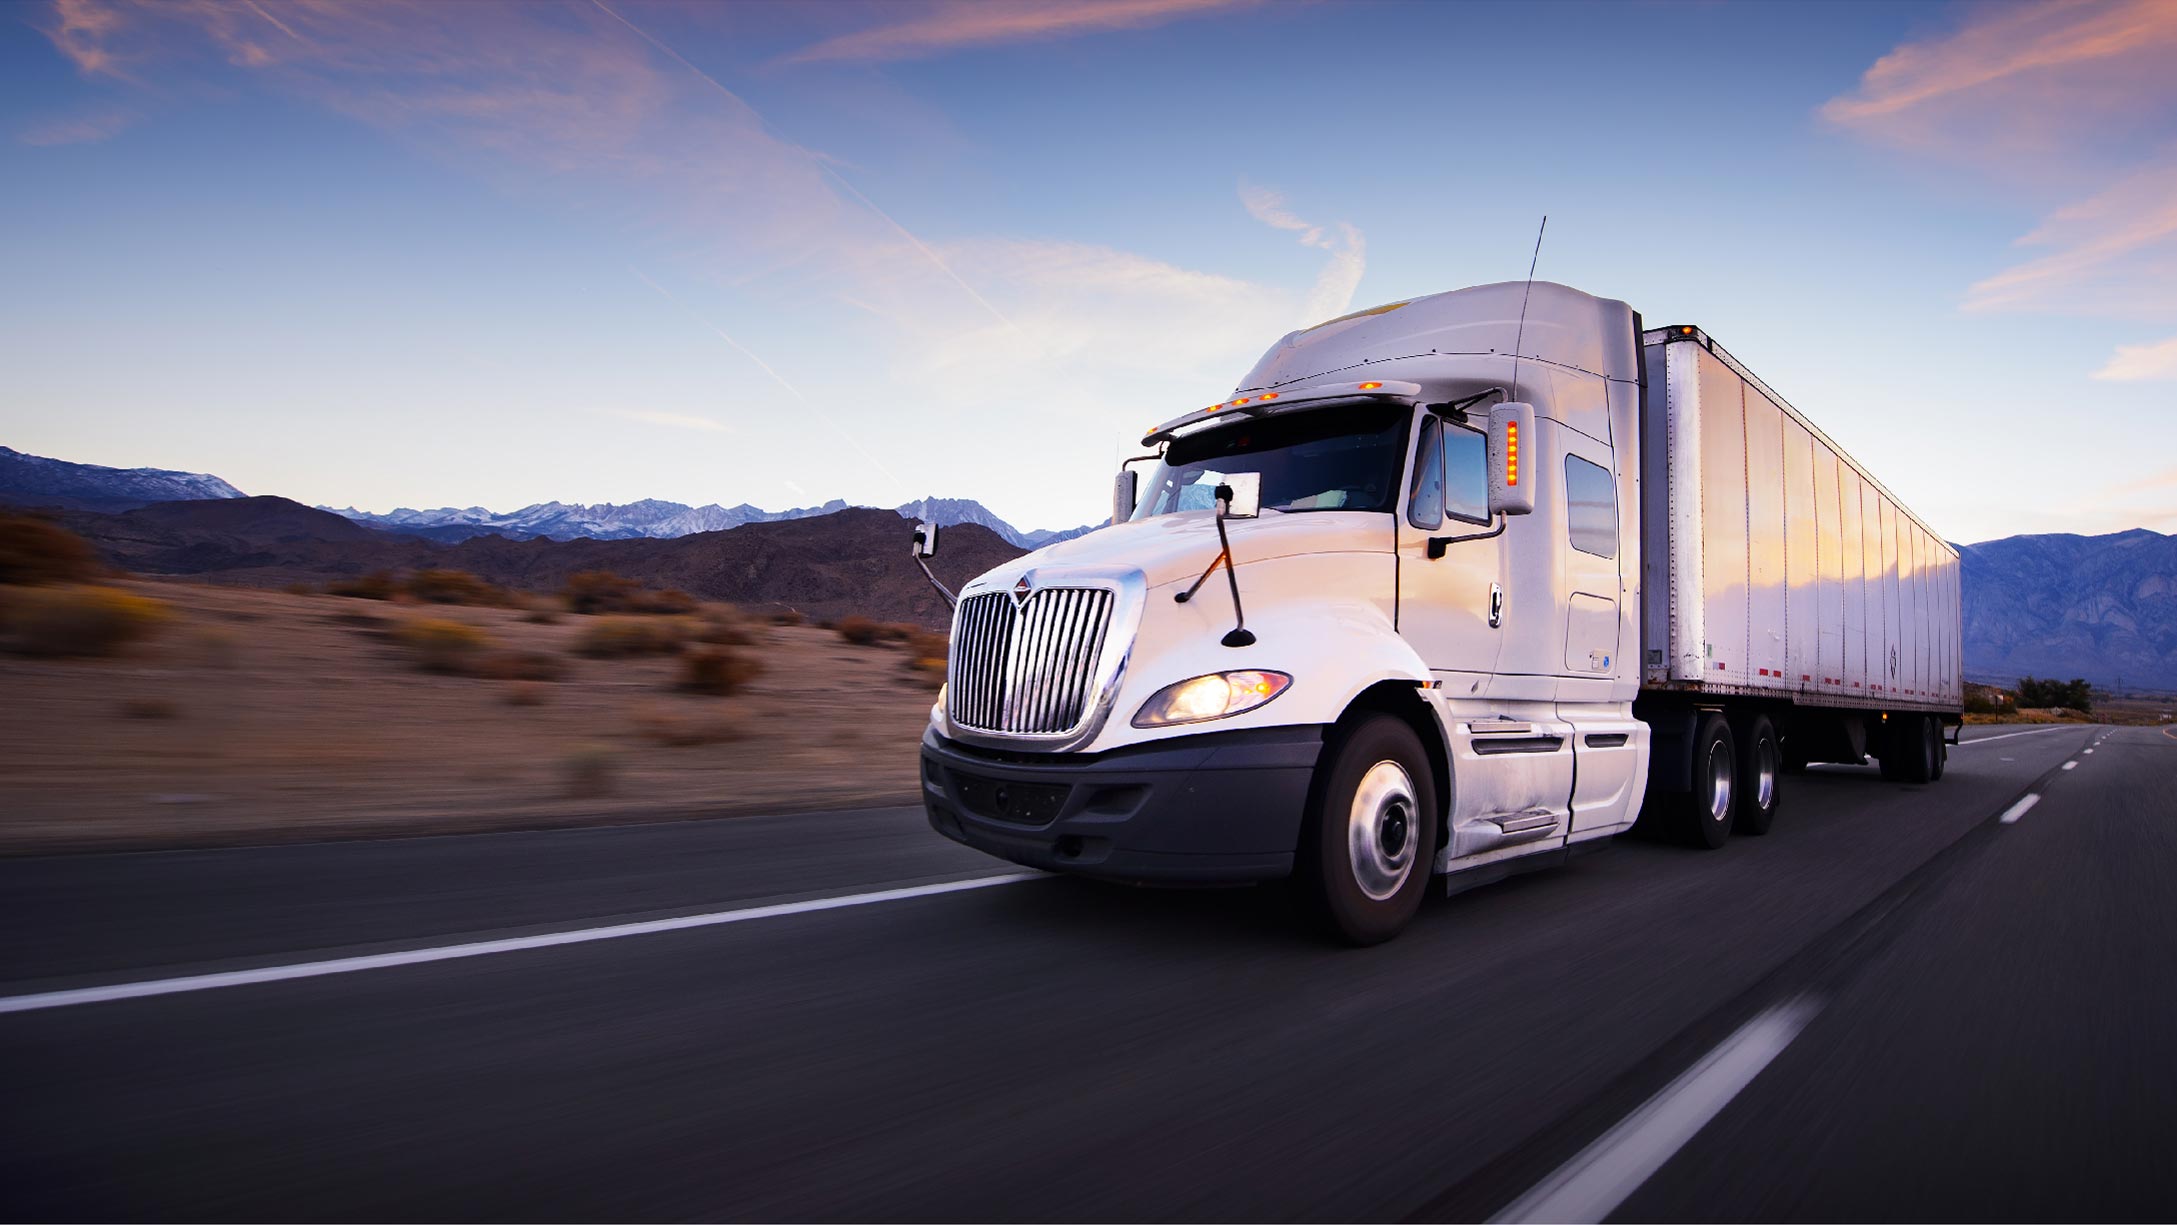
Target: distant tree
2075, 694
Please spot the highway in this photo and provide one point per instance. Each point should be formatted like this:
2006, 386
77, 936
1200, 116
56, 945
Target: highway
1908, 1002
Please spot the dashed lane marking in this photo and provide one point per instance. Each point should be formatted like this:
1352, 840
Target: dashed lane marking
1592, 1185
2015, 811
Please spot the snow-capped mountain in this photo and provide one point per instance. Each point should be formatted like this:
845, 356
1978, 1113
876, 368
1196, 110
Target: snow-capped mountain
659, 519
33, 480
571, 521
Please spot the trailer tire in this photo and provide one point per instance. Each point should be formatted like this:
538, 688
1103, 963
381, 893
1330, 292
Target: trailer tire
1706, 811
1368, 847
1760, 781
1922, 749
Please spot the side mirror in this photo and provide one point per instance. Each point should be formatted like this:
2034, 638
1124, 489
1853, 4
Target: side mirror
1511, 470
1240, 496
1122, 495
925, 540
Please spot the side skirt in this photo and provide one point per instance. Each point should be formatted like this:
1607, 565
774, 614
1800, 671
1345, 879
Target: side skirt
1459, 880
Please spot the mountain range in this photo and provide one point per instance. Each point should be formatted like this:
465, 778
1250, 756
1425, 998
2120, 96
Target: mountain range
33, 480
2099, 607
661, 520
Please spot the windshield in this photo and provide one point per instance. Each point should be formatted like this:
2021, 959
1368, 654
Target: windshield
1327, 459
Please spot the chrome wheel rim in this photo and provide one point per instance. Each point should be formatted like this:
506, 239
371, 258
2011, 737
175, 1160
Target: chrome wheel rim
1719, 783
1383, 830
1766, 761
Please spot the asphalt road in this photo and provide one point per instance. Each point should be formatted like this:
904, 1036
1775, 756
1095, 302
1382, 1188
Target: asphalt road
1896, 1006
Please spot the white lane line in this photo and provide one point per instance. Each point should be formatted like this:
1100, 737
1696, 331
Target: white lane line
2090, 752
2073, 764
1966, 744
2015, 811
485, 948
1592, 1185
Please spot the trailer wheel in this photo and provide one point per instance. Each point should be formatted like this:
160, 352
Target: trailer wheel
1368, 847
1922, 753
1942, 749
1705, 812
1760, 781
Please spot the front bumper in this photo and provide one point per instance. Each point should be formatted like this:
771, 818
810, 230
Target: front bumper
1209, 808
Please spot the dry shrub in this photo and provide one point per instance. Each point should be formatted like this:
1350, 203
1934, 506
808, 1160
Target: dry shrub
79, 621
861, 631
926, 653
602, 591
526, 693
597, 591
718, 670
377, 585
621, 637
34, 551
449, 647
457, 587
590, 770
148, 708
721, 625
683, 731
517, 666
787, 616
897, 631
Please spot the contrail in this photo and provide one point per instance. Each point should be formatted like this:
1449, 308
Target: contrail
776, 377
821, 164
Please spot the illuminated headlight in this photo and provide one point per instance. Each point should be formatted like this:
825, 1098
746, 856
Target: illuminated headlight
1210, 697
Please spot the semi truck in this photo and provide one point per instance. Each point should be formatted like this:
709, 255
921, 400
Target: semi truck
1454, 587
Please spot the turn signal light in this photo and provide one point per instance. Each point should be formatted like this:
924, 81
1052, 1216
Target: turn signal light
1370, 386
1511, 454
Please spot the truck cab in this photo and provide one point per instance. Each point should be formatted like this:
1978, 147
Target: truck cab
1371, 620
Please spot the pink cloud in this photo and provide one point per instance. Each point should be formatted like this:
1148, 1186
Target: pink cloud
2074, 96
75, 129
954, 24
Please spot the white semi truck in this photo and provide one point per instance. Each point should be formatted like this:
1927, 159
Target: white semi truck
1458, 587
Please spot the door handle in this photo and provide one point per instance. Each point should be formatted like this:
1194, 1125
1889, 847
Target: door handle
1496, 605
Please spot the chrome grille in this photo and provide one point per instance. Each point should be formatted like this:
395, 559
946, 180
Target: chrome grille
1031, 670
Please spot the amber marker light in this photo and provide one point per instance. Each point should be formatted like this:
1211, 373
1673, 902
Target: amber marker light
1268, 395
1511, 454
1371, 386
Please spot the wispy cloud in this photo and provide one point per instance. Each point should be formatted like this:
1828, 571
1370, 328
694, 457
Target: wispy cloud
2059, 92
2143, 363
677, 421
952, 25
75, 129
1332, 293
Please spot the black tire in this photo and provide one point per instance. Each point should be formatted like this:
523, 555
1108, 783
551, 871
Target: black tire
1921, 749
1363, 874
1760, 779
1702, 816
1942, 750
1893, 750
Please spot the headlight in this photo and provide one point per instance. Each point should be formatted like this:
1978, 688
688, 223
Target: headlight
1210, 697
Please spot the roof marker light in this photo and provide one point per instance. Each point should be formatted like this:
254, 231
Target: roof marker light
1268, 395
1369, 386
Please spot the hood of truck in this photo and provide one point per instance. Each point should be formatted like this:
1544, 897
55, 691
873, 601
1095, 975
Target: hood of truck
1175, 547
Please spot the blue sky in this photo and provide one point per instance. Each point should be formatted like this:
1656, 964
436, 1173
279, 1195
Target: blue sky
478, 254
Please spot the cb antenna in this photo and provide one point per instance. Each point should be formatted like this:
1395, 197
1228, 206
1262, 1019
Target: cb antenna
1521, 334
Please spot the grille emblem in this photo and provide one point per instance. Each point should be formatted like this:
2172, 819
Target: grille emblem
1022, 589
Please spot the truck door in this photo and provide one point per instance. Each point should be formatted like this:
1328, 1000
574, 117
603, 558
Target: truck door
1450, 605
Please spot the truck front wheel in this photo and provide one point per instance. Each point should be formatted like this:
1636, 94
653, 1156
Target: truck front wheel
1369, 844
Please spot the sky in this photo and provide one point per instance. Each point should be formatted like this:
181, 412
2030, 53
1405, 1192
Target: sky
398, 254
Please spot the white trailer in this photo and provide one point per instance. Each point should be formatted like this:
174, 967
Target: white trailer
1466, 583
